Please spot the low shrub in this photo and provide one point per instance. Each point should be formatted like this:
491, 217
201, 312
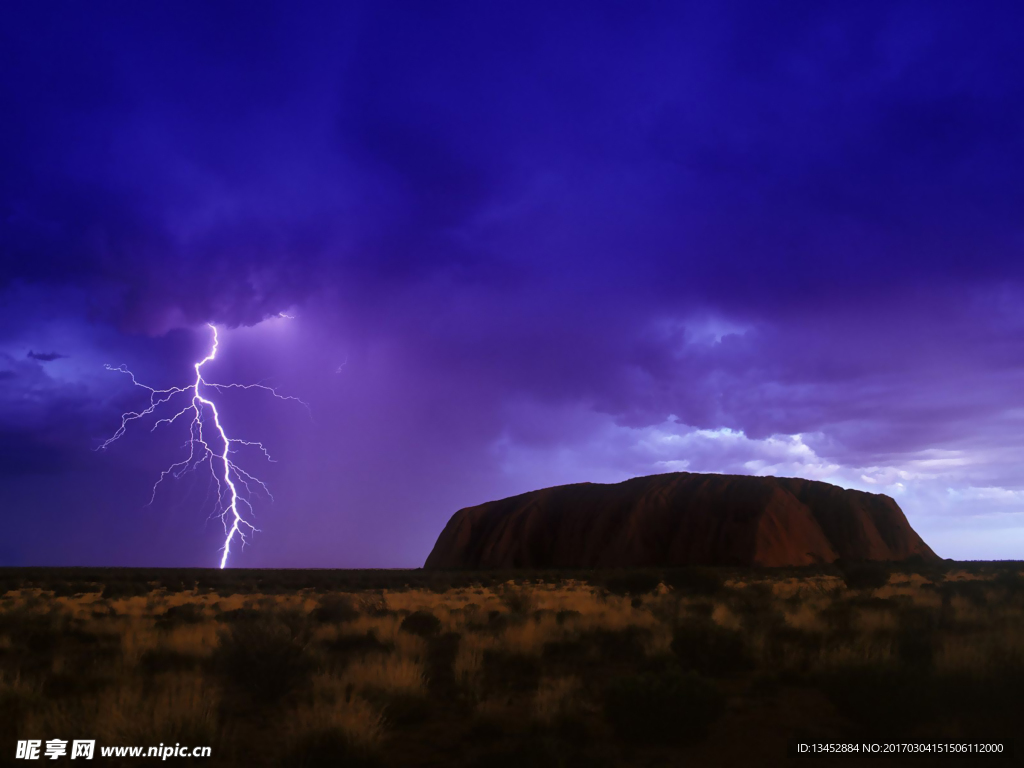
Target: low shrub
71, 589
517, 600
838, 617
633, 583
865, 575
116, 589
348, 645
440, 663
510, 671
1012, 581
975, 592
374, 605
757, 609
497, 622
262, 661
176, 615
701, 610
334, 609
176, 583
240, 616
422, 623
619, 645
794, 648
695, 581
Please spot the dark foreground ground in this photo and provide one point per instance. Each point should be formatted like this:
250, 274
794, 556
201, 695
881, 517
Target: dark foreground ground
696, 667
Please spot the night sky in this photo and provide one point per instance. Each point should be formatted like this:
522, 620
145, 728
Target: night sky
522, 244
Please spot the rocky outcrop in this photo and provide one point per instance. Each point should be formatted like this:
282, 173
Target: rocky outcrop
679, 519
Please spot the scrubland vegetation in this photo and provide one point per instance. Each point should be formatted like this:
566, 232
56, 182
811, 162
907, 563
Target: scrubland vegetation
405, 668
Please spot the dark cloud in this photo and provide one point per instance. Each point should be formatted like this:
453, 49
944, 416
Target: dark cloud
718, 216
708, 154
45, 357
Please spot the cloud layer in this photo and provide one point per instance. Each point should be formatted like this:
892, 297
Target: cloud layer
523, 245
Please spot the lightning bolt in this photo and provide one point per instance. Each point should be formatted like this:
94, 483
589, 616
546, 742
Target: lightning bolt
232, 482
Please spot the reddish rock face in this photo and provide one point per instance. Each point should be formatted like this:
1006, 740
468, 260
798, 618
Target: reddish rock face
679, 519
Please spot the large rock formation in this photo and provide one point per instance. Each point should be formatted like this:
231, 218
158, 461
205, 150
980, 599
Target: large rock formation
679, 519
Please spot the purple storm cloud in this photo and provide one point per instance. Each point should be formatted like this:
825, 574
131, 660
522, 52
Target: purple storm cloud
521, 245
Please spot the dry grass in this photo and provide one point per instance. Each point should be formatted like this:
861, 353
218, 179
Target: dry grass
910, 589
362, 724
874, 621
138, 637
528, 639
856, 653
660, 641
556, 697
982, 653
806, 616
468, 664
132, 711
386, 627
387, 673
725, 617
197, 640
348, 691
806, 587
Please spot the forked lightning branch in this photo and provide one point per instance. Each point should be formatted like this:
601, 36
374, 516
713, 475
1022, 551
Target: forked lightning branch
208, 445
